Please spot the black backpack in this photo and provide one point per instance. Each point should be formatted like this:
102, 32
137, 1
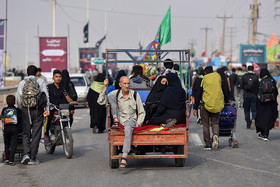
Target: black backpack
267, 90
10, 116
238, 81
251, 82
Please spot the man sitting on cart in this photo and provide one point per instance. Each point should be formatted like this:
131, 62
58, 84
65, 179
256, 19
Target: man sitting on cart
127, 109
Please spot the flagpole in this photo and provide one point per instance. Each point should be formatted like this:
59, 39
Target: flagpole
5, 45
53, 18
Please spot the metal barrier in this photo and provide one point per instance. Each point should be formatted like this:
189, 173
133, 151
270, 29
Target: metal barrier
8, 90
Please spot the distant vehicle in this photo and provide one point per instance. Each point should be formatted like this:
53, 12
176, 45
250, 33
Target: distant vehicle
82, 84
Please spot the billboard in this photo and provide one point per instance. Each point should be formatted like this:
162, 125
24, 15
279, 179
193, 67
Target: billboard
85, 58
53, 53
2, 53
252, 53
111, 56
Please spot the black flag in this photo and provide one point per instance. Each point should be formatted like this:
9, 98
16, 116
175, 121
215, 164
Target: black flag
86, 33
100, 42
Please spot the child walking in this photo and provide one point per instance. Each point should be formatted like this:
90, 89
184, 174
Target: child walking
11, 121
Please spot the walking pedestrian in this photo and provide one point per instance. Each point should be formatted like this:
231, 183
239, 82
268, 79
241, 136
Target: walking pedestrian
266, 105
11, 117
239, 91
212, 95
33, 109
250, 85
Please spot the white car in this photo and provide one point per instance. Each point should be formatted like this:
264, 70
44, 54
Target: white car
82, 84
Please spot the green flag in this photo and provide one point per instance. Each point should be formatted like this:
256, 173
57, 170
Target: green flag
272, 52
165, 28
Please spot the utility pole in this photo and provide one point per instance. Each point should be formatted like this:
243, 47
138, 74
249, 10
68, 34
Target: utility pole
224, 32
5, 45
231, 36
54, 18
277, 8
249, 31
206, 34
255, 19
192, 43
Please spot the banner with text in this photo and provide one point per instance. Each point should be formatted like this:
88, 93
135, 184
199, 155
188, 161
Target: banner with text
85, 58
252, 53
53, 53
2, 22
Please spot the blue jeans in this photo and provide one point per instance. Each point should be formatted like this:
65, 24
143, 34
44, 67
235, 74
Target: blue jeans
250, 106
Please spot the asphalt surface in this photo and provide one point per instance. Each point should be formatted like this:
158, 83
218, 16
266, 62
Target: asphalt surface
254, 163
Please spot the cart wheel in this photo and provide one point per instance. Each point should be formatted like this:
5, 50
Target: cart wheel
113, 163
235, 144
179, 162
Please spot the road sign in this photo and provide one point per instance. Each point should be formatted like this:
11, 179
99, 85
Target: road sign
97, 61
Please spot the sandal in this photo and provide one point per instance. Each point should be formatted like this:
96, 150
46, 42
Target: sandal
115, 125
123, 164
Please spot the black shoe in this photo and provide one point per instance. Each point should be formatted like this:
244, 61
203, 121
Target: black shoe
94, 129
12, 163
207, 147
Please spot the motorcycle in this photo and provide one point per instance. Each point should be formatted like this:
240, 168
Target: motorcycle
61, 131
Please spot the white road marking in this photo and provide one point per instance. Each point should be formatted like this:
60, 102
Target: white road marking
238, 166
78, 117
194, 138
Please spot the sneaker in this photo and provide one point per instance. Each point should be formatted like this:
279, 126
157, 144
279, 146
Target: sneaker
262, 137
12, 163
215, 142
207, 147
253, 122
33, 162
266, 139
170, 123
7, 161
25, 159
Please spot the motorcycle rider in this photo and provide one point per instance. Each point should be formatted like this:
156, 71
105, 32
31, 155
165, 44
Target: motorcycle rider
57, 96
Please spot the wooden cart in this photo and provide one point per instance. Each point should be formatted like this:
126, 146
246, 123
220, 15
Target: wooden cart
170, 143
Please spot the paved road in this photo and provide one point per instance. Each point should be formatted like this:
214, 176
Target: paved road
255, 163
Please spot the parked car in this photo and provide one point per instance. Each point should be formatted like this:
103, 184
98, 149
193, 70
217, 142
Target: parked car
82, 84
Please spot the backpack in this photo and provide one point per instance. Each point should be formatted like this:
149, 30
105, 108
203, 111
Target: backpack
213, 96
10, 116
30, 91
267, 90
251, 82
238, 81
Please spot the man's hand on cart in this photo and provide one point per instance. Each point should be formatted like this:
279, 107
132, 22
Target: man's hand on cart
194, 112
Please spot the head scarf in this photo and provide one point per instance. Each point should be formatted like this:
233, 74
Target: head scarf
264, 72
97, 85
157, 91
120, 74
174, 96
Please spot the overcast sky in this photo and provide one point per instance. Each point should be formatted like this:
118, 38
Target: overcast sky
130, 21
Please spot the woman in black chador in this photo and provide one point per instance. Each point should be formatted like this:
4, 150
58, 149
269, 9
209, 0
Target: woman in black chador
172, 103
154, 96
266, 111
